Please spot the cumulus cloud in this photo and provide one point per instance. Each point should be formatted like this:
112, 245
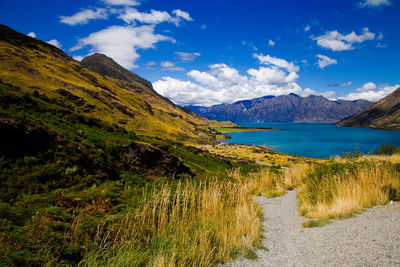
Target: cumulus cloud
371, 92
324, 61
122, 42
32, 34
336, 41
184, 56
121, 2
83, 17
132, 15
170, 66
279, 62
55, 43
271, 43
224, 84
307, 28
375, 3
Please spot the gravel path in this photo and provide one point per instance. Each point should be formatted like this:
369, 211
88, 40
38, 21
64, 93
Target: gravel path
371, 238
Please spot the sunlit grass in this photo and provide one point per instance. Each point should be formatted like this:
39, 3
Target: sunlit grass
338, 190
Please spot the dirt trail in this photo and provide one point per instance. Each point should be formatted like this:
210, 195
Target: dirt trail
371, 238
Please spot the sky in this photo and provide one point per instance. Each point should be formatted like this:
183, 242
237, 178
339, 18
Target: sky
222, 51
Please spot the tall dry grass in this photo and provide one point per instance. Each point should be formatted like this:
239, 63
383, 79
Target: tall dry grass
345, 187
193, 224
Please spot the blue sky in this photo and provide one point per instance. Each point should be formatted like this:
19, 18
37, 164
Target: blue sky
209, 52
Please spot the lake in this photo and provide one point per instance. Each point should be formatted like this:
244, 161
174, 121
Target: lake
317, 140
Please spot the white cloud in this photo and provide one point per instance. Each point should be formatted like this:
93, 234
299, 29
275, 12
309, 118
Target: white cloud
131, 15
271, 43
184, 56
329, 94
375, 3
154, 17
380, 36
182, 14
32, 34
249, 44
281, 63
151, 64
338, 42
122, 42
78, 58
224, 84
170, 66
324, 61
55, 43
349, 83
370, 91
307, 28
83, 17
121, 2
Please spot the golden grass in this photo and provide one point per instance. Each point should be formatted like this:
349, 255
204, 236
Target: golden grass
256, 153
293, 177
370, 183
194, 224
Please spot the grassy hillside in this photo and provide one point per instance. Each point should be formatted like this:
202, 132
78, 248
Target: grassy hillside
385, 114
131, 103
58, 166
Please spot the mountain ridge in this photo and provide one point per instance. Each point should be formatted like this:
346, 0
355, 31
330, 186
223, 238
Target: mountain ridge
384, 114
283, 108
119, 97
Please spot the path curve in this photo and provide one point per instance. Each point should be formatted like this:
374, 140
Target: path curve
371, 238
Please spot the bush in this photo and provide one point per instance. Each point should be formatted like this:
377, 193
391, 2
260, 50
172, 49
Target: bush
388, 149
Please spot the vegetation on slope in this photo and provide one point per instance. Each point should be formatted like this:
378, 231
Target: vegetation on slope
125, 100
342, 187
385, 114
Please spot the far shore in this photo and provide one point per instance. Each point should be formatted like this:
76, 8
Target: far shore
242, 129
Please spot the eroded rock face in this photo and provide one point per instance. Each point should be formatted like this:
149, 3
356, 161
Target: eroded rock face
155, 162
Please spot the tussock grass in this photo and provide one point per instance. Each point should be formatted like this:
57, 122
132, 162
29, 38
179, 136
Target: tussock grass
316, 223
343, 187
191, 224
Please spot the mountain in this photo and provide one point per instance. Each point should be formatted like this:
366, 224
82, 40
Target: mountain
283, 108
81, 148
384, 114
98, 87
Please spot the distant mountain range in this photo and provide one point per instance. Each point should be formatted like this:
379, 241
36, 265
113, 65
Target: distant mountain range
284, 108
385, 114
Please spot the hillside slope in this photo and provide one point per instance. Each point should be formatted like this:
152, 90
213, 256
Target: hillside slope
283, 108
385, 114
98, 87
67, 168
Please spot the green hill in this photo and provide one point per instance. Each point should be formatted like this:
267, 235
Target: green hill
98, 87
78, 149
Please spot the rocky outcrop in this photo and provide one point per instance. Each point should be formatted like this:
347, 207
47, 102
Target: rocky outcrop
155, 162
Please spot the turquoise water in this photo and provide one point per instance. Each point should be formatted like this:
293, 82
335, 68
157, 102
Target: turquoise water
317, 140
